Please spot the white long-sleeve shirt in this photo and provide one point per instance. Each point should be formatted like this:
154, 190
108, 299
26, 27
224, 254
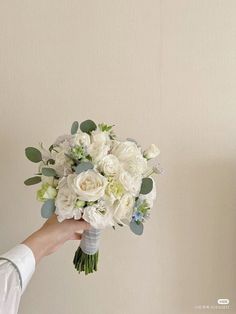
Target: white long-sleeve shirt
16, 269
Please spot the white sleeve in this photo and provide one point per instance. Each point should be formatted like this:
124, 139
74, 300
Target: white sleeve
16, 269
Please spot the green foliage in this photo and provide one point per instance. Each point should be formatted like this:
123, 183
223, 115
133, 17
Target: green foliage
83, 166
50, 162
33, 154
77, 152
74, 127
49, 172
147, 186
136, 228
88, 126
51, 148
143, 208
105, 127
32, 180
48, 208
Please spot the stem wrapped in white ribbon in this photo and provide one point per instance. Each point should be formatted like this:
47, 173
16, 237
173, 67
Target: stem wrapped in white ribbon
86, 256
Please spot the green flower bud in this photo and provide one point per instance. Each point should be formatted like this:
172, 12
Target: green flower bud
46, 192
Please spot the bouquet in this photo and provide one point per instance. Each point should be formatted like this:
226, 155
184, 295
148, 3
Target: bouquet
91, 175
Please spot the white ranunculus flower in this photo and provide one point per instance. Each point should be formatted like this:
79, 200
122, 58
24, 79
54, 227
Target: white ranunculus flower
125, 150
130, 156
82, 139
98, 217
132, 184
135, 166
101, 137
98, 151
124, 209
66, 201
89, 185
109, 165
150, 197
152, 152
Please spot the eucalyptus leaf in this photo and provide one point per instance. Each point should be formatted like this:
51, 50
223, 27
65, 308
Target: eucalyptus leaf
49, 172
74, 127
136, 228
83, 166
88, 126
33, 154
48, 208
147, 186
32, 180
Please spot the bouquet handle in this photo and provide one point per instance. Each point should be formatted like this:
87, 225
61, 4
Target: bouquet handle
86, 256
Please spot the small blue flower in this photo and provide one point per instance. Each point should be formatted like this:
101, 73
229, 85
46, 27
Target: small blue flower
138, 216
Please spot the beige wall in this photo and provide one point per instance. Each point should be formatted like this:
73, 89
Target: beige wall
164, 72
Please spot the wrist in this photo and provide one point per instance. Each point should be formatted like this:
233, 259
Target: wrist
38, 242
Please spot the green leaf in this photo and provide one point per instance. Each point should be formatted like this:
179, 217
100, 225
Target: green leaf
147, 186
51, 161
136, 228
88, 126
33, 154
83, 166
49, 172
48, 208
74, 127
32, 180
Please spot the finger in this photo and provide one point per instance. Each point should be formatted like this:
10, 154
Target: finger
76, 236
81, 225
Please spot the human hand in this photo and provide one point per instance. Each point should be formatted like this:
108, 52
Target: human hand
52, 235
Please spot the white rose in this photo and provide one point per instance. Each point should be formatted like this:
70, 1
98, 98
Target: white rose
89, 185
124, 209
82, 139
150, 197
152, 152
109, 165
66, 201
130, 156
99, 218
130, 183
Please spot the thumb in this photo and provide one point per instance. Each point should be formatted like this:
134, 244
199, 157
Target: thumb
81, 225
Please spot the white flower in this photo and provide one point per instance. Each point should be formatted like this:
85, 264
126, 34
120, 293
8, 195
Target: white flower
82, 139
109, 165
150, 197
97, 151
124, 209
62, 164
100, 145
125, 150
130, 183
130, 156
101, 137
66, 201
89, 185
152, 152
135, 166
98, 216
68, 138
